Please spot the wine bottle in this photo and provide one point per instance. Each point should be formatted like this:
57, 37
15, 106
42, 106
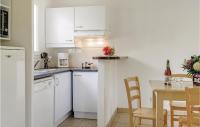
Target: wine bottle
168, 73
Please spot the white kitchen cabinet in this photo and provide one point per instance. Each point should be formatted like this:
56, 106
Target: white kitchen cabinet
85, 94
60, 27
63, 96
90, 18
43, 103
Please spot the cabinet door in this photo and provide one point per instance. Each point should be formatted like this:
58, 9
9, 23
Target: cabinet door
63, 97
12, 88
85, 91
60, 27
90, 18
43, 104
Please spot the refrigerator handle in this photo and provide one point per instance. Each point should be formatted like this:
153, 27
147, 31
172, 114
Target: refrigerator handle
8, 56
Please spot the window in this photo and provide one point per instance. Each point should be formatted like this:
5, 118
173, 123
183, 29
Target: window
35, 26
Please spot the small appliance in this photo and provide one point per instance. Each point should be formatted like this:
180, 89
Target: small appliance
4, 19
63, 60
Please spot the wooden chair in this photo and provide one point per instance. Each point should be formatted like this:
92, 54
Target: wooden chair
178, 108
133, 94
193, 108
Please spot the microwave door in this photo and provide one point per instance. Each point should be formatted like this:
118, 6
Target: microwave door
4, 23
1, 23
5, 19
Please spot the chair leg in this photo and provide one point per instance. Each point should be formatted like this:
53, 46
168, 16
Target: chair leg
165, 119
172, 116
153, 122
180, 124
140, 121
134, 122
131, 124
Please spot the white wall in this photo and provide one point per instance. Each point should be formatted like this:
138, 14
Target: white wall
199, 26
22, 36
150, 32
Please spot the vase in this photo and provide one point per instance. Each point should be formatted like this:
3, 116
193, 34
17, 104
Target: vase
196, 79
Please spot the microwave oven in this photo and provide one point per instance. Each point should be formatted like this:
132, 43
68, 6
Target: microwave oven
4, 22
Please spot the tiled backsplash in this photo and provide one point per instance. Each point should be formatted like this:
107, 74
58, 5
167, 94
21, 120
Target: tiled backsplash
76, 56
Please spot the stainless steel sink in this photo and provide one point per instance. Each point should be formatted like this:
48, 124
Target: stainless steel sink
39, 71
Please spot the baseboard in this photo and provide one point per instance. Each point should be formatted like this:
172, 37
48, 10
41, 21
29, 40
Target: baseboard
86, 115
122, 110
57, 123
112, 118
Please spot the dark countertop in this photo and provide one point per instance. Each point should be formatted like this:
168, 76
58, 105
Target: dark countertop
110, 57
43, 73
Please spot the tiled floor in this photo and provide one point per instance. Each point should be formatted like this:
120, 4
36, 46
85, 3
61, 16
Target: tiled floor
72, 122
121, 120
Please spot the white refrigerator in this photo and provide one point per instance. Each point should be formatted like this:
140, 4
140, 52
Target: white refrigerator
12, 87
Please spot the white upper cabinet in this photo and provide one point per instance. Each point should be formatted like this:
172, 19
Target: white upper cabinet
60, 27
90, 18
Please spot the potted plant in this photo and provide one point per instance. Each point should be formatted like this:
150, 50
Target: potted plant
192, 66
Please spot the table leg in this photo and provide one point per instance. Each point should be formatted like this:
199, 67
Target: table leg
154, 106
159, 110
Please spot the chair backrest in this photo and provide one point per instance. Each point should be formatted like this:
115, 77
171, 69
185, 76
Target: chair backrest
193, 106
133, 91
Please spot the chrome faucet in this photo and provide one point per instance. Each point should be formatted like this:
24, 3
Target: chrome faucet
36, 63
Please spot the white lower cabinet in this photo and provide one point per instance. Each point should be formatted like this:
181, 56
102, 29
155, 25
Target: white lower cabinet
85, 94
63, 96
43, 103
51, 100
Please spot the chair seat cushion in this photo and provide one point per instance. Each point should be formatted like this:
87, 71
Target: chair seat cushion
195, 122
185, 125
146, 113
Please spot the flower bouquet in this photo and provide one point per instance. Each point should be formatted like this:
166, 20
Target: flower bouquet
192, 66
108, 51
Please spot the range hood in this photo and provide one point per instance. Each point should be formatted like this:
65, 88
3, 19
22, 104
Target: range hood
94, 41
81, 33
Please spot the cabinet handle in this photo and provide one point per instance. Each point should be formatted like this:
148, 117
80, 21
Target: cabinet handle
68, 40
41, 89
78, 75
79, 27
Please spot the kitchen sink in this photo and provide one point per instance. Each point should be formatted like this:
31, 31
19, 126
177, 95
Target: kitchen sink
44, 70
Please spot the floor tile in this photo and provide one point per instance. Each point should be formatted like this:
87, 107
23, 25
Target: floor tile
121, 120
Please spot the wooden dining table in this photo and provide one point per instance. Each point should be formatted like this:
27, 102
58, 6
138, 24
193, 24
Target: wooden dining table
162, 92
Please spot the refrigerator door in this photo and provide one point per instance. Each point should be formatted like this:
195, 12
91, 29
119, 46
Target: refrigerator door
12, 88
